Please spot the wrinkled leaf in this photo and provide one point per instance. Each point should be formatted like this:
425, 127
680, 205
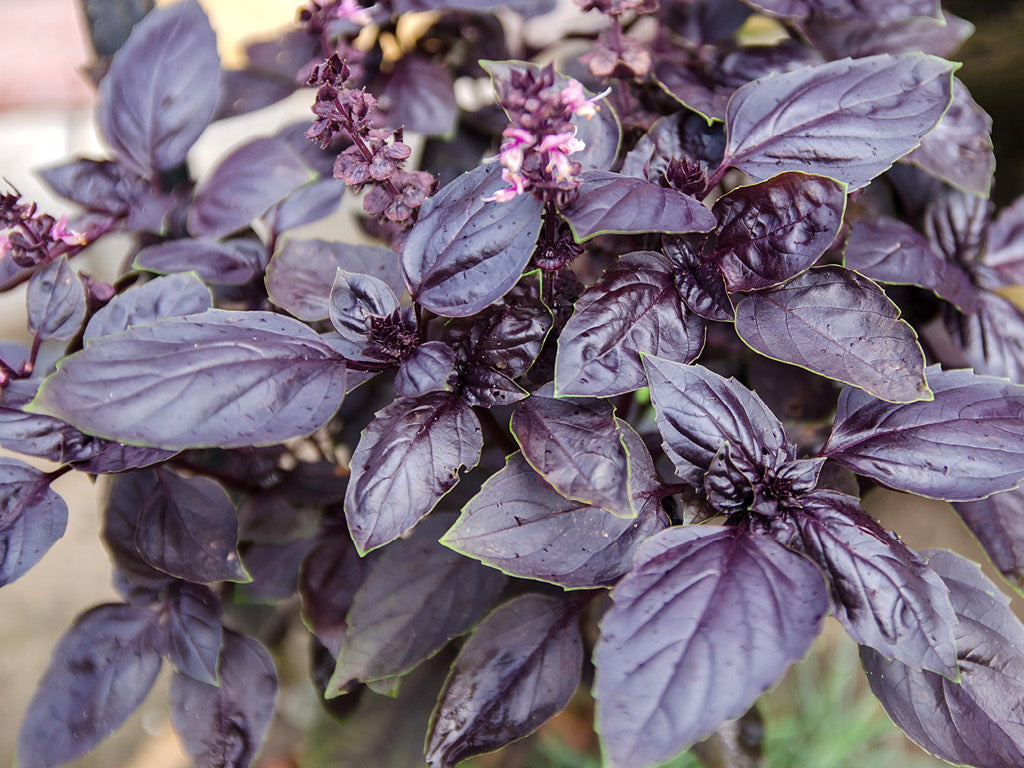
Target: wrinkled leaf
32, 518
219, 378
427, 369
519, 668
228, 262
682, 134
406, 460
832, 321
707, 620
355, 298
56, 301
700, 282
965, 444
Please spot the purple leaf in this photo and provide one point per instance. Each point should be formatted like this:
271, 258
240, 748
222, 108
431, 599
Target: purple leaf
574, 445
419, 95
56, 301
698, 410
485, 387
37, 435
834, 322
464, 251
275, 569
188, 527
772, 231
32, 518
310, 202
226, 262
708, 619
220, 378
245, 91
101, 186
699, 282
223, 727
300, 276
519, 668
955, 223
247, 182
161, 90
959, 150
890, 251
406, 460
977, 720
611, 202
524, 527
633, 308
849, 9
145, 303
427, 369
965, 444
330, 576
883, 592
108, 457
997, 522
693, 89
417, 597
1004, 244
355, 298
191, 629
126, 494
679, 135
848, 119
857, 37
100, 672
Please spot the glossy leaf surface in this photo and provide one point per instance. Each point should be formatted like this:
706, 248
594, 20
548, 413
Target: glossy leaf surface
219, 378
633, 308
100, 672
355, 298
849, 119
465, 251
407, 459
883, 592
227, 262
700, 282
161, 90
32, 518
427, 369
707, 619
519, 668
832, 321
170, 296
524, 527
772, 231
965, 444
975, 721
222, 727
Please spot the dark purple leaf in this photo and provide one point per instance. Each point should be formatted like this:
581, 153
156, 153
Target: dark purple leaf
225, 262
247, 182
772, 231
126, 494
245, 91
699, 282
975, 721
32, 518
406, 460
633, 308
890, 251
693, 89
355, 298
102, 186
275, 569
300, 275
427, 369
419, 94
883, 592
832, 321
37, 435
574, 445
856, 37
524, 527
465, 251
191, 629
708, 619
525, 7
848, 119
223, 727
161, 90
611, 202
849, 9
1004, 244
955, 223
106, 457
965, 444
959, 150
310, 202
485, 387
698, 410
331, 574
56, 301
417, 597
679, 135
145, 303
100, 672
997, 522
220, 378
519, 668
187, 527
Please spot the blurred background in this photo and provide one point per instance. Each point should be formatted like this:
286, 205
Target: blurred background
821, 716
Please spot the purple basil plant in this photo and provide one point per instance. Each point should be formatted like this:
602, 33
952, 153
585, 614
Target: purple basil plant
591, 418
